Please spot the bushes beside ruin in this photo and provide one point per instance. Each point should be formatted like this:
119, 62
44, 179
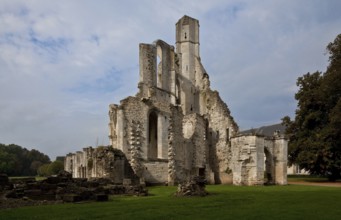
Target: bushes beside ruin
51, 168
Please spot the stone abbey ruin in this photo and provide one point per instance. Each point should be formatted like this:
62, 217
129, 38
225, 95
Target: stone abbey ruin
176, 127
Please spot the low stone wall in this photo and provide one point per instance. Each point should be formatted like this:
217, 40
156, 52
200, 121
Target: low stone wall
67, 189
156, 172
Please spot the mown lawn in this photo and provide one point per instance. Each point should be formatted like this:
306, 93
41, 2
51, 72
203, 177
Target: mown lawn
224, 202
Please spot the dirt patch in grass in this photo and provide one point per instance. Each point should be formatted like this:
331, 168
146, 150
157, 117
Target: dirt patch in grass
332, 184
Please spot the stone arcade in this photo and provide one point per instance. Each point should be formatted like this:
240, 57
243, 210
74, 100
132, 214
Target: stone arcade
176, 127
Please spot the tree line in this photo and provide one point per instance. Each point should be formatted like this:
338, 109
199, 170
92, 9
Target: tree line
18, 161
315, 132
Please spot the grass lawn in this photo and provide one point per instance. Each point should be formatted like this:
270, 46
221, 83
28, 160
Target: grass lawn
224, 202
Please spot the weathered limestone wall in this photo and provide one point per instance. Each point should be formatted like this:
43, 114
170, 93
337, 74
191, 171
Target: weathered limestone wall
164, 53
221, 127
252, 155
194, 130
158, 72
156, 172
163, 124
148, 64
121, 131
68, 163
258, 178
98, 162
248, 160
276, 159
132, 110
113, 125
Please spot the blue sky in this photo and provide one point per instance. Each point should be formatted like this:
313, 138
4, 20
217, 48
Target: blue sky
63, 62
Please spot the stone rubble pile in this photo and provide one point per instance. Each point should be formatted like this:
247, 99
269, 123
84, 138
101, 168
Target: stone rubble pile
194, 187
64, 188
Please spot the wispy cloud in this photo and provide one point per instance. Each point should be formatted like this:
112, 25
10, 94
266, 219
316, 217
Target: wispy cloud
63, 62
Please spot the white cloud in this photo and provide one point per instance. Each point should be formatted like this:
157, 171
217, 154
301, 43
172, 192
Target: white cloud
63, 62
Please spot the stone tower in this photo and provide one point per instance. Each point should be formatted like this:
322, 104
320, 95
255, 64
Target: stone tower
187, 47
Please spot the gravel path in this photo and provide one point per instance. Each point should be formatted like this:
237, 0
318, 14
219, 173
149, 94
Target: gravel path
330, 184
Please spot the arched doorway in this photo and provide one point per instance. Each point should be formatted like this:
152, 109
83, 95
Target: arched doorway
152, 137
269, 169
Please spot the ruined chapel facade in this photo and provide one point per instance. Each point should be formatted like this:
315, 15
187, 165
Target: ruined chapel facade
176, 127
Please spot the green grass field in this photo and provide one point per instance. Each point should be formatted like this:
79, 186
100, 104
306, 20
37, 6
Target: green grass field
224, 202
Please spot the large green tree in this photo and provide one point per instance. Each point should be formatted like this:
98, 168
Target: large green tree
18, 161
315, 133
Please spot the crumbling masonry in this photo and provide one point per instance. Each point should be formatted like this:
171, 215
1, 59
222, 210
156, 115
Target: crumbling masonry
176, 127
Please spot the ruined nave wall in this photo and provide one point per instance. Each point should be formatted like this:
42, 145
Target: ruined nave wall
248, 160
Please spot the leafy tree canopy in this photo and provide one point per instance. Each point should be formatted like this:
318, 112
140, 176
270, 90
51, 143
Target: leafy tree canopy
18, 161
51, 168
315, 133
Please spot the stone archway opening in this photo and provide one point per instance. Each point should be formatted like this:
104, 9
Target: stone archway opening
268, 172
152, 137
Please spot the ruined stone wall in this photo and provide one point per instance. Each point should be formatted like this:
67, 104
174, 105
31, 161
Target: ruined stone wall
98, 162
113, 124
177, 127
248, 160
221, 127
253, 155
177, 146
68, 163
148, 64
136, 112
194, 130
199, 98
156, 172
165, 65
168, 78
201, 76
258, 178
133, 110
158, 71
276, 159
159, 95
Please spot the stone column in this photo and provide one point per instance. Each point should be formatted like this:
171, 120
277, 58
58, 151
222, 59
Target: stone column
120, 128
281, 161
162, 138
